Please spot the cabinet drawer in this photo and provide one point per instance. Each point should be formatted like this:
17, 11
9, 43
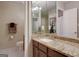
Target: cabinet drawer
35, 43
43, 48
52, 53
42, 54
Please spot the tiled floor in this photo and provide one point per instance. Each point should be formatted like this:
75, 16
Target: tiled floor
12, 52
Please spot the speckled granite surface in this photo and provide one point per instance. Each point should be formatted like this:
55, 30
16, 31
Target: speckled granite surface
63, 46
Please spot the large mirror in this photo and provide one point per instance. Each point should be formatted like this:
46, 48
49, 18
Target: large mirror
44, 16
55, 17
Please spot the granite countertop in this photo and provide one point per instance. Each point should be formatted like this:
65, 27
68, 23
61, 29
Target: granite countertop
65, 47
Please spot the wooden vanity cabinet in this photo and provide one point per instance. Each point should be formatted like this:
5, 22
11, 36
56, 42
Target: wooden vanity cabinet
35, 48
53, 53
39, 50
35, 51
35, 43
42, 54
43, 48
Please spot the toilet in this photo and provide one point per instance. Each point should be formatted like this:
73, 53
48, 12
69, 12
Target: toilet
19, 45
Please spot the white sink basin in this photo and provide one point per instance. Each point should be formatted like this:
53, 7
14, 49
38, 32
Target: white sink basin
46, 39
56, 44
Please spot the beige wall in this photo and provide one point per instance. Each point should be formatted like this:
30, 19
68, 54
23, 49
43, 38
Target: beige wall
11, 12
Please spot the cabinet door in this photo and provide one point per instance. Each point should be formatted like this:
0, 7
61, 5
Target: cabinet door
52, 53
42, 54
43, 48
35, 51
35, 43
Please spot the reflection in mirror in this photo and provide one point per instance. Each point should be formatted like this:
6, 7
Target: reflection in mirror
67, 19
44, 16
36, 17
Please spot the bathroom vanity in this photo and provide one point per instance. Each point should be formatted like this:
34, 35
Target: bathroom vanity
52, 33
53, 47
40, 50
